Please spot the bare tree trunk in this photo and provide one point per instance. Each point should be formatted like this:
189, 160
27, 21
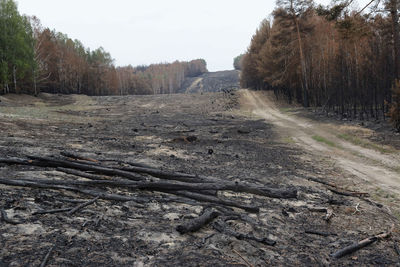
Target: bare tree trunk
15, 78
395, 28
34, 82
302, 61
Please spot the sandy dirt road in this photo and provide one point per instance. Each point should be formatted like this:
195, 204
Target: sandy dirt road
322, 140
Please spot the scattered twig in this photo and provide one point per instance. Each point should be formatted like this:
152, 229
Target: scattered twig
361, 244
46, 258
246, 261
5, 218
72, 211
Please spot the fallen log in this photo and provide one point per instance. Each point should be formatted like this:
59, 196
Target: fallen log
195, 224
220, 227
361, 244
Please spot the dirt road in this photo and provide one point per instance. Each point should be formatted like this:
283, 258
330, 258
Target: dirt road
324, 141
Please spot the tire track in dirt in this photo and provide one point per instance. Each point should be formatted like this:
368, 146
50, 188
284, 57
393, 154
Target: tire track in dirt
369, 165
196, 83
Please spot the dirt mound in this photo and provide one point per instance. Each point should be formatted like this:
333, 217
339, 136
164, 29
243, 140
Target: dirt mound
221, 81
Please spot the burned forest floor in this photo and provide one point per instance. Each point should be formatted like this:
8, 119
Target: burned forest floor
223, 137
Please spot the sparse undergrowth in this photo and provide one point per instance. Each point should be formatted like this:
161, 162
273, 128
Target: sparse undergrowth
365, 143
325, 141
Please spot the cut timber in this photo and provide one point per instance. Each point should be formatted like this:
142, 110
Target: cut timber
361, 244
197, 223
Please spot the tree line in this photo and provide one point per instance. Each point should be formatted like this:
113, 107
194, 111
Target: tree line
343, 60
36, 59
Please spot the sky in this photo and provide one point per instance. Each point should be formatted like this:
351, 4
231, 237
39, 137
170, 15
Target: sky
139, 32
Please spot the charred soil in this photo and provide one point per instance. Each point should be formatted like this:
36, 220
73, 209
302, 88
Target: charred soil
203, 134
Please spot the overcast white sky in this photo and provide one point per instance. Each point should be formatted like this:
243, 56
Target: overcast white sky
153, 31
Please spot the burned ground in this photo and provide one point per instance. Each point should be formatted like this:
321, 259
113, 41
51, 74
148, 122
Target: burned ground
202, 134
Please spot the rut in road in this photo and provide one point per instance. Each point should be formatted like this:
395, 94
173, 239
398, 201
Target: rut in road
367, 164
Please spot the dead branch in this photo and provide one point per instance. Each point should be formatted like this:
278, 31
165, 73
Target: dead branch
246, 261
335, 189
81, 206
51, 211
315, 232
222, 228
211, 199
46, 258
361, 244
195, 224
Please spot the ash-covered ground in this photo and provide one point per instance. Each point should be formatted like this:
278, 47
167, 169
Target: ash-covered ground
204, 134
